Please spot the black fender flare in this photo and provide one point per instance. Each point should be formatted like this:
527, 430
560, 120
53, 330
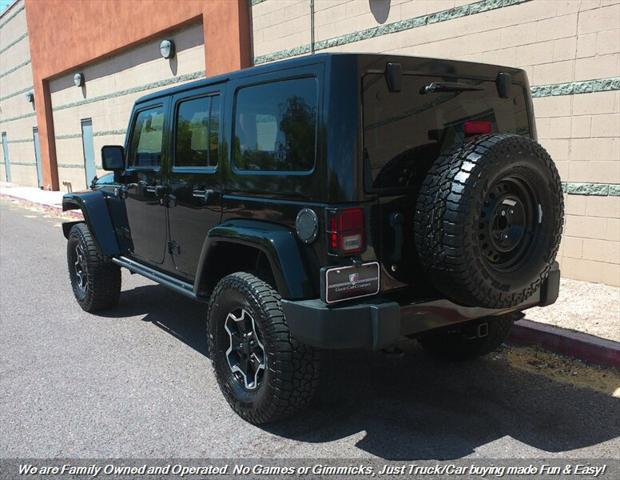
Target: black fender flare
277, 242
97, 217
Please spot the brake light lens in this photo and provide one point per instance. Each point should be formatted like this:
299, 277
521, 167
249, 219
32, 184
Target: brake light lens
477, 127
346, 231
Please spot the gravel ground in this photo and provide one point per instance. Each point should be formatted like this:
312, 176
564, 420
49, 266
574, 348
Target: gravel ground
587, 307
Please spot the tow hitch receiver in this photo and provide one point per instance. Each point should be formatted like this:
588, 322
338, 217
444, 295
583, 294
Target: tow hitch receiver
480, 330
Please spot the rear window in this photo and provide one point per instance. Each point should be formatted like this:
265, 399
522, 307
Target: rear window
405, 131
275, 126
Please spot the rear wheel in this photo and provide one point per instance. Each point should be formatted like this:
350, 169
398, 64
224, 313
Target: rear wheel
96, 282
263, 372
470, 341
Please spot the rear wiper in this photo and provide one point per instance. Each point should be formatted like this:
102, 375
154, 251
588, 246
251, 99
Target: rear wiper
448, 87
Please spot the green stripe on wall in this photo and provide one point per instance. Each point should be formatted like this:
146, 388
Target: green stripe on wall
256, 2
16, 93
20, 140
17, 40
103, 133
10, 17
77, 165
394, 27
23, 164
68, 136
574, 88
70, 165
140, 88
592, 189
16, 67
18, 117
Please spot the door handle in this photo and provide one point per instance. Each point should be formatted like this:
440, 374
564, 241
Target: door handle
121, 192
203, 194
158, 190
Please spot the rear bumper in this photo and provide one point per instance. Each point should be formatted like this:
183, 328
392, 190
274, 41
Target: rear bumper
379, 322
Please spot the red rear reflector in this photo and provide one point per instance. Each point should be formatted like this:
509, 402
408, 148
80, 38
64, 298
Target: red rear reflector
346, 231
477, 127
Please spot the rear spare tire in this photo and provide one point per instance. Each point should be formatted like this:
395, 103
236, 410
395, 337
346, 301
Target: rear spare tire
488, 221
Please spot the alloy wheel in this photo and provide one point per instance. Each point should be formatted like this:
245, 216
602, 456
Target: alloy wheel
80, 268
245, 355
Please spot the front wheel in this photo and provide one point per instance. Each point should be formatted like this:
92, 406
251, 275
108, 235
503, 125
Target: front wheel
96, 282
263, 372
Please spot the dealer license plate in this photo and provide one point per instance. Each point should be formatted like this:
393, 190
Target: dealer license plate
346, 283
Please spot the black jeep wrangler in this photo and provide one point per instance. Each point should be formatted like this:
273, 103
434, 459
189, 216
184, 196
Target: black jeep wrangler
328, 202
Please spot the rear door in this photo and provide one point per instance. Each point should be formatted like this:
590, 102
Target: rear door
145, 188
404, 132
194, 199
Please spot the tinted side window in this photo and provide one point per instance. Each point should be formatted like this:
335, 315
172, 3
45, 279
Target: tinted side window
275, 126
146, 141
197, 132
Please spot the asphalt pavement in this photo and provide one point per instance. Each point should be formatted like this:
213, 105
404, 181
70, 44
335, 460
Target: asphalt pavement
136, 381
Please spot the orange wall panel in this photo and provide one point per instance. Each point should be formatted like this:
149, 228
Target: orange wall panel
65, 34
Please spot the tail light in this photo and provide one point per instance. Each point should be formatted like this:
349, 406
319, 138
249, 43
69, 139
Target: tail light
477, 127
345, 231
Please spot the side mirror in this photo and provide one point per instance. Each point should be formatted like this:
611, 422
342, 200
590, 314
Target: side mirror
113, 157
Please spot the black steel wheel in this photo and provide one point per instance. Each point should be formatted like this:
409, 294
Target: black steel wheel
96, 282
507, 223
488, 221
263, 372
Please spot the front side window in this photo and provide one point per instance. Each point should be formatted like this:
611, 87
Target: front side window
275, 126
146, 141
198, 132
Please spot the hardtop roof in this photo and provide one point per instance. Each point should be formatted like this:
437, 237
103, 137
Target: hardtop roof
368, 61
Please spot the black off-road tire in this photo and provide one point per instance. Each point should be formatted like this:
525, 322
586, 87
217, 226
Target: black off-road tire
456, 221
461, 344
291, 374
102, 285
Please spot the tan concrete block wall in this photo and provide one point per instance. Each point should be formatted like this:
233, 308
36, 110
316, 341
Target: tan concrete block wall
14, 28
555, 41
106, 82
284, 22
16, 113
16, 53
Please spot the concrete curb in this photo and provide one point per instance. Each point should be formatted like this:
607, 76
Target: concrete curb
51, 209
582, 346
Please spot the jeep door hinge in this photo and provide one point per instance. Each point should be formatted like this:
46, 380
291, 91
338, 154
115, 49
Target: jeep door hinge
173, 248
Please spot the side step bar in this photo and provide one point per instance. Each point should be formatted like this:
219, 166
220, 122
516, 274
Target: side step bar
175, 284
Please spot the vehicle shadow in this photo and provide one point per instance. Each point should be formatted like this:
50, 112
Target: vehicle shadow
181, 317
419, 408
412, 406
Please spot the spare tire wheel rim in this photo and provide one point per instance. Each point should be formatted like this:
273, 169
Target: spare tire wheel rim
508, 223
245, 354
